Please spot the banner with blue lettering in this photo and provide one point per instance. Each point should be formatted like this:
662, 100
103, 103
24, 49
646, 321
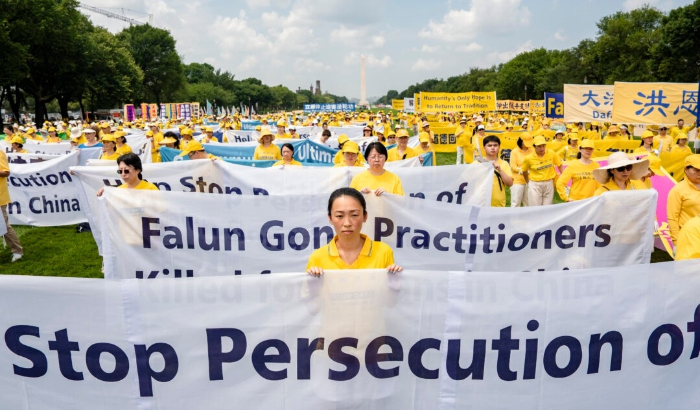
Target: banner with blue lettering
553, 105
146, 232
588, 102
623, 338
332, 107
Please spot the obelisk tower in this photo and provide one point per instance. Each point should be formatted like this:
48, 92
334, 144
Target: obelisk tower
363, 83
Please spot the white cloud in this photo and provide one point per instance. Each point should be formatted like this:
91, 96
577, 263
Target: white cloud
635, 4
459, 25
357, 37
425, 65
234, 34
503, 56
370, 60
248, 63
159, 8
559, 35
468, 48
429, 49
310, 65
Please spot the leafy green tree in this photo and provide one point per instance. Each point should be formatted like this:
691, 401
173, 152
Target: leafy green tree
154, 51
675, 56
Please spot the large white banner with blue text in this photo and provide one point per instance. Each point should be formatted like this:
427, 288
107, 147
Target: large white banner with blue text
154, 234
613, 338
588, 102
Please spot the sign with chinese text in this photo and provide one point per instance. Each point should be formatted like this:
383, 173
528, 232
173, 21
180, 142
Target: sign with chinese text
334, 107
129, 113
554, 105
587, 103
537, 107
512, 105
655, 103
453, 102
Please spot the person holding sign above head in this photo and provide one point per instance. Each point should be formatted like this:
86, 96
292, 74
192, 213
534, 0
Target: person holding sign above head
580, 173
350, 249
680, 128
287, 156
539, 169
350, 155
109, 148
267, 151
684, 198
130, 169
621, 173
376, 179
402, 150
502, 175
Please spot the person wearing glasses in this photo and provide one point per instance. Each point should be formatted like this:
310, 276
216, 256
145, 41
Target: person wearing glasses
130, 169
621, 174
665, 141
376, 179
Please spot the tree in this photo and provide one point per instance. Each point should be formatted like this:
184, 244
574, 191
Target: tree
675, 54
283, 97
154, 51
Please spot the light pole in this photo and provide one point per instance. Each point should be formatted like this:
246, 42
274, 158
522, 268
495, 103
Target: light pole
585, 79
525, 92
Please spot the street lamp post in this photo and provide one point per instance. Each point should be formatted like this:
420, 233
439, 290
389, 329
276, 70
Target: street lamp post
525, 92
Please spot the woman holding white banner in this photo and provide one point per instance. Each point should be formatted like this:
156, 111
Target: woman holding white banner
350, 249
402, 150
580, 173
109, 148
351, 152
376, 179
130, 170
287, 156
267, 151
621, 173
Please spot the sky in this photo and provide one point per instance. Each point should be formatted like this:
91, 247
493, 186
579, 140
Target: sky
296, 42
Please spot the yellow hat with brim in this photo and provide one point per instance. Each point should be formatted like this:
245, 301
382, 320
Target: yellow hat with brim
573, 136
620, 159
391, 133
647, 134
17, 140
351, 147
186, 131
167, 140
265, 131
586, 144
149, 133
342, 139
424, 137
401, 133
539, 140
692, 161
192, 146
681, 136
208, 129
52, 129
108, 138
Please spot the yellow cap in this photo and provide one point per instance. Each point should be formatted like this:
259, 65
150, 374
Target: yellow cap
539, 140
401, 133
424, 137
167, 140
342, 138
263, 132
351, 147
186, 131
17, 140
647, 134
208, 129
692, 161
586, 144
191, 147
149, 133
108, 138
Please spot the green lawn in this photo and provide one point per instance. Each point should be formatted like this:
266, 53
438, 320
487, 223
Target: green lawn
60, 251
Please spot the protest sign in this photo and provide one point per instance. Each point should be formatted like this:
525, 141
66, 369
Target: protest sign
416, 340
655, 103
587, 103
409, 105
452, 102
149, 232
537, 107
554, 105
397, 105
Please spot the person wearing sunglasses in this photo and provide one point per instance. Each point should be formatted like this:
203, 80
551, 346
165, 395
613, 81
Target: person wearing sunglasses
130, 169
664, 139
621, 173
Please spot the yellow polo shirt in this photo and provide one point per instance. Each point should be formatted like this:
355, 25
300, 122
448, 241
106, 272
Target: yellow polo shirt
568, 153
267, 153
112, 157
388, 181
394, 154
340, 158
4, 191
281, 162
688, 246
682, 205
583, 185
143, 184
541, 168
374, 255
498, 192
124, 149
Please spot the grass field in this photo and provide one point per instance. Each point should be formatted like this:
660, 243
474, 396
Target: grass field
61, 251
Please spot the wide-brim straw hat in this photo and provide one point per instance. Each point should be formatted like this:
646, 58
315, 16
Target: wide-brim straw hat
619, 159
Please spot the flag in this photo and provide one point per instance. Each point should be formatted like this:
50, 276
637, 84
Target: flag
209, 110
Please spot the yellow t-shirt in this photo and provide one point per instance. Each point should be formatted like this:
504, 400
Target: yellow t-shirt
374, 255
419, 151
143, 184
666, 143
632, 184
688, 246
271, 152
498, 192
583, 185
568, 153
281, 162
124, 149
394, 154
517, 156
555, 145
340, 158
210, 140
541, 168
112, 157
53, 140
682, 205
388, 181
4, 191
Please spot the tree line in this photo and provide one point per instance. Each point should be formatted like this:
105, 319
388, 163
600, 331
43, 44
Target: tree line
53, 54
642, 45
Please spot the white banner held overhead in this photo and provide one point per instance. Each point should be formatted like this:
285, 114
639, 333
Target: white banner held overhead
587, 103
151, 234
366, 339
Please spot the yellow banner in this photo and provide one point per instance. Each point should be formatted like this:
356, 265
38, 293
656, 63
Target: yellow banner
655, 103
444, 140
452, 102
416, 101
674, 163
537, 107
397, 105
512, 105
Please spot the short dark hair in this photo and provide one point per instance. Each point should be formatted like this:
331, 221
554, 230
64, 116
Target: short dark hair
326, 133
377, 146
133, 160
288, 145
492, 138
352, 192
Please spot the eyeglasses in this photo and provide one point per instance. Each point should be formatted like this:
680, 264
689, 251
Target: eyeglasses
191, 154
123, 171
625, 168
376, 157
663, 129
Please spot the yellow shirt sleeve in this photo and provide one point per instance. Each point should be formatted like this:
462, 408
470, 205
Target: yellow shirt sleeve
563, 180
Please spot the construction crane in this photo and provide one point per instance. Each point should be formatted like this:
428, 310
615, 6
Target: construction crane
115, 15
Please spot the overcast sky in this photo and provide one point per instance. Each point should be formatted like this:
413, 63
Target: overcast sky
296, 42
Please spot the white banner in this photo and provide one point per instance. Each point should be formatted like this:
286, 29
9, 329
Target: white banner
85, 155
587, 103
40, 147
409, 105
461, 184
150, 233
44, 193
623, 338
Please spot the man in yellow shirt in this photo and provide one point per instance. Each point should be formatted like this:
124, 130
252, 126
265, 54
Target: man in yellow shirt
665, 140
502, 175
539, 168
688, 245
684, 199
460, 135
680, 128
11, 239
